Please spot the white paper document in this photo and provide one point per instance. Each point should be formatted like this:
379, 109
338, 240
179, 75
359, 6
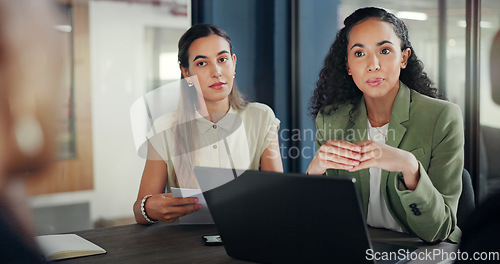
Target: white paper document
201, 216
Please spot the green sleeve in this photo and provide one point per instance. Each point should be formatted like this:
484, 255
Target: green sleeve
431, 208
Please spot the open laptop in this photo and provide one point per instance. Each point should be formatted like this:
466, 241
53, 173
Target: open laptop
288, 218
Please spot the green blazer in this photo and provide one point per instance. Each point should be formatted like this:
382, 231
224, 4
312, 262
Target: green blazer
432, 130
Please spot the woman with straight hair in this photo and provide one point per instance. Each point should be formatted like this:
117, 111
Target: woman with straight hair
212, 126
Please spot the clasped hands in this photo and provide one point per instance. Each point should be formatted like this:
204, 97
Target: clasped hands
164, 207
343, 155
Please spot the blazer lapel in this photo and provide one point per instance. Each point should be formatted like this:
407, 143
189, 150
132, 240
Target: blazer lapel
396, 130
400, 114
358, 132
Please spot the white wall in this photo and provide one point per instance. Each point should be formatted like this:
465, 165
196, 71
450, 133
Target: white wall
117, 48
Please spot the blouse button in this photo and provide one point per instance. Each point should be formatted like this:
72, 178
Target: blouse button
215, 146
214, 126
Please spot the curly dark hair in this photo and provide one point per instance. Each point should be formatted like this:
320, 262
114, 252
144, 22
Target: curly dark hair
335, 87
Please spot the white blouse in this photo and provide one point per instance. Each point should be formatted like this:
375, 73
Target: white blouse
235, 141
378, 213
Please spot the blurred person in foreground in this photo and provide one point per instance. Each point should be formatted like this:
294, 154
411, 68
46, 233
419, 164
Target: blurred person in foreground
29, 77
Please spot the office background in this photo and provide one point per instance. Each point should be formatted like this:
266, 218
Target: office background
121, 49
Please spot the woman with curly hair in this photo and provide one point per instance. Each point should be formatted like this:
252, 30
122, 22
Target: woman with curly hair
378, 120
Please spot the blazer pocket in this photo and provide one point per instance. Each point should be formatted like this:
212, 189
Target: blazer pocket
418, 152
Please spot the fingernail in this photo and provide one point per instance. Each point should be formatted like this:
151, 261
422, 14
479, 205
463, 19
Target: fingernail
195, 200
198, 206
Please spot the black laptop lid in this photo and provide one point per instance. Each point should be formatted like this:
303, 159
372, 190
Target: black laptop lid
293, 218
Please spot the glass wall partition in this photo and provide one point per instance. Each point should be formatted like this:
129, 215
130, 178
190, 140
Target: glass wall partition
489, 97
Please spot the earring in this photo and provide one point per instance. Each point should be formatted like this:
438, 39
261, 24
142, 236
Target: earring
29, 135
234, 76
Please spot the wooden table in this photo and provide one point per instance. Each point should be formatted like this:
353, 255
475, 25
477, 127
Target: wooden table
174, 243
